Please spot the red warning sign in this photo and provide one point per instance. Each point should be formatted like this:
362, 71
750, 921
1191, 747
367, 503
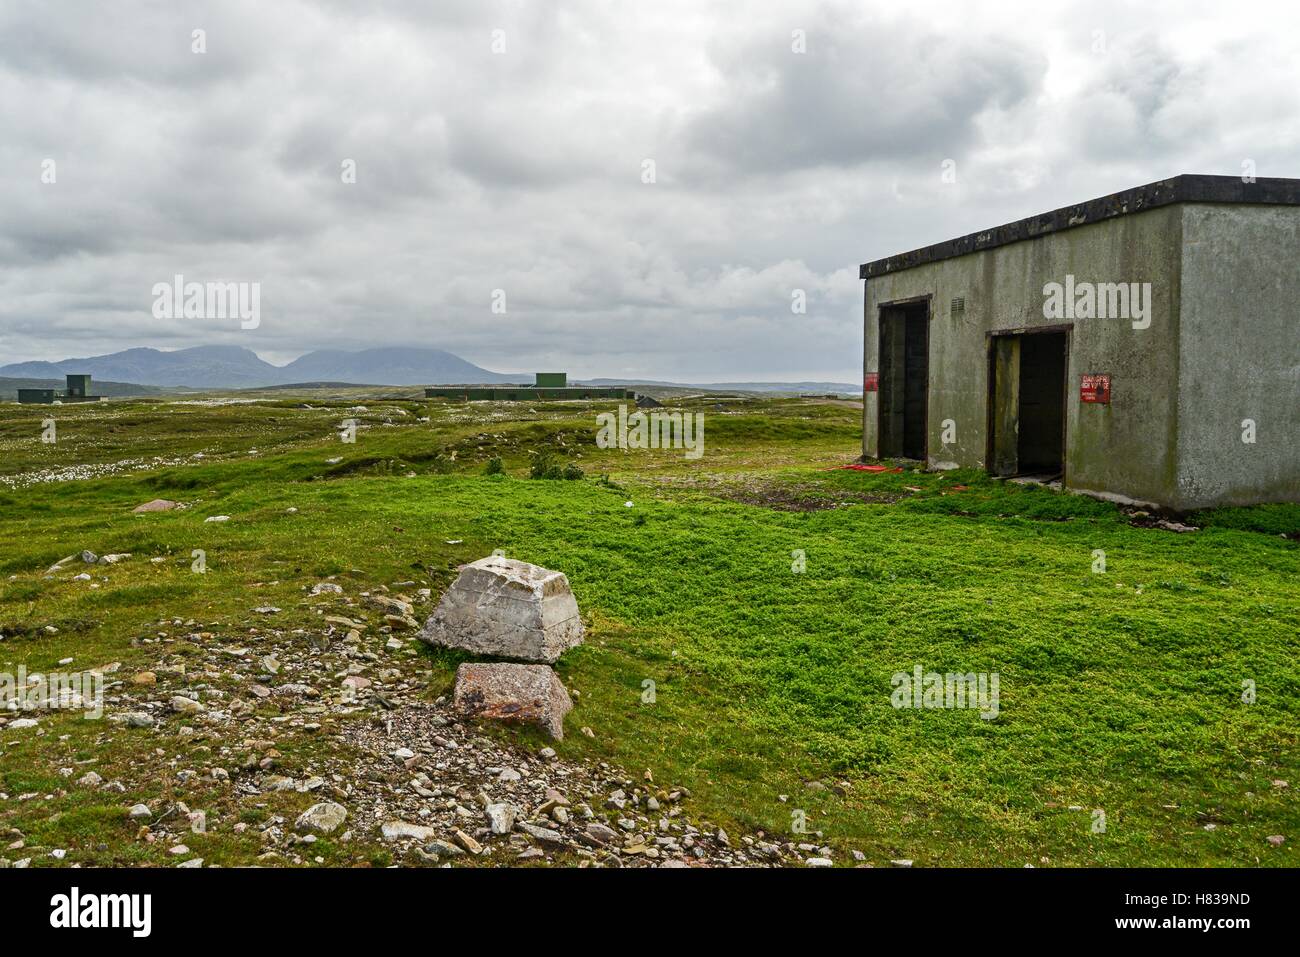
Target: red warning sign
1095, 387
871, 383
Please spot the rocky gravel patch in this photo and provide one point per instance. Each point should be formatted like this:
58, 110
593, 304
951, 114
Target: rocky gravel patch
442, 793
230, 723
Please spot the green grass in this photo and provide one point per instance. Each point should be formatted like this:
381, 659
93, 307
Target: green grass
1120, 691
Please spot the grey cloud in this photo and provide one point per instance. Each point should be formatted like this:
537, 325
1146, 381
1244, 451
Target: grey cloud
865, 90
521, 171
144, 43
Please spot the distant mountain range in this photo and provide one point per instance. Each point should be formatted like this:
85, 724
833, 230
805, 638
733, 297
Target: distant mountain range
234, 367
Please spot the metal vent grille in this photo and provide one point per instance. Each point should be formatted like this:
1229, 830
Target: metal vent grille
958, 305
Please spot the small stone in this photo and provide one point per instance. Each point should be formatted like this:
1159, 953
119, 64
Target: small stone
601, 834
902, 862
467, 842
90, 780
544, 834
501, 818
1277, 840
440, 849
819, 862
401, 830
157, 505
184, 705
324, 818
390, 606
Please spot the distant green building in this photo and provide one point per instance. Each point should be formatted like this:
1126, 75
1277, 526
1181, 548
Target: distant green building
548, 385
78, 390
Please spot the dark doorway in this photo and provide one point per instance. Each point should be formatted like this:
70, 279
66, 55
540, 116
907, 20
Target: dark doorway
1028, 404
904, 380
1042, 404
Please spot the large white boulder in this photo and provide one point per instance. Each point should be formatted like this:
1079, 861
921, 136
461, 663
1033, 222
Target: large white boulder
507, 609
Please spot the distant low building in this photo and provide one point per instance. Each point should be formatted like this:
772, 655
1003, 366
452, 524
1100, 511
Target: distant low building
548, 385
78, 390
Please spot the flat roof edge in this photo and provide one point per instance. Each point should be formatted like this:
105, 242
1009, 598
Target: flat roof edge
1188, 188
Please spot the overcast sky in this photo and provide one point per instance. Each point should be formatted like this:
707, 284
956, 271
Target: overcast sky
522, 169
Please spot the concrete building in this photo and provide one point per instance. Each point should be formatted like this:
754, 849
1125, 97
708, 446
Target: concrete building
78, 390
548, 385
1144, 346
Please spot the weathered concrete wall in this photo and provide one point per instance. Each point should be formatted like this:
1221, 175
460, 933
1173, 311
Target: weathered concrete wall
1239, 356
1127, 448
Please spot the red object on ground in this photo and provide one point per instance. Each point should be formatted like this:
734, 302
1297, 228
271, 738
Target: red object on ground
859, 467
